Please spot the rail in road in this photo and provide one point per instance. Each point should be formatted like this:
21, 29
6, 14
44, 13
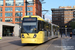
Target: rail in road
16, 45
44, 46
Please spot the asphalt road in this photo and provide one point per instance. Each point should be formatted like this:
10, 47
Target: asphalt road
15, 44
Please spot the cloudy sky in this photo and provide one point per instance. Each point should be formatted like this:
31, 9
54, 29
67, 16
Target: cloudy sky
48, 17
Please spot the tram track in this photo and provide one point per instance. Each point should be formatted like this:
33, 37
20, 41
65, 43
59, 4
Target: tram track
45, 44
53, 41
50, 44
30, 46
34, 46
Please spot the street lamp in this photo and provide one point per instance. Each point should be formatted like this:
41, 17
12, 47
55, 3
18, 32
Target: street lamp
26, 6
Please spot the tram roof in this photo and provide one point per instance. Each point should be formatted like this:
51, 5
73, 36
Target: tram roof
38, 17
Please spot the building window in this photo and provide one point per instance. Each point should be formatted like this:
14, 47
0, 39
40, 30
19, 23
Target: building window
0, 14
53, 13
0, 19
74, 14
18, 9
8, 9
17, 19
29, 8
8, 19
62, 15
0, 9
1, 2
19, 2
8, 14
30, 2
9, 2
18, 14
29, 13
19, 24
55, 18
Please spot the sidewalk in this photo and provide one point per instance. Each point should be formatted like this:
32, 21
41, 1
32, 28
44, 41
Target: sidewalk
7, 39
68, 43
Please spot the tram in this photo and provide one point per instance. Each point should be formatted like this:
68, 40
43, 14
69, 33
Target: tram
35, 30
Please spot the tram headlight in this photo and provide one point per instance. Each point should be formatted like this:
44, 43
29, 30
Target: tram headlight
22, 36
34, 36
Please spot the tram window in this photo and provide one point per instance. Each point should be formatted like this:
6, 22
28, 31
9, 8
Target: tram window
39, 26
44, 26
49, 27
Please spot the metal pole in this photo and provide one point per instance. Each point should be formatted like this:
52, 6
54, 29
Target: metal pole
20, 24
51, 29
26, 6
66, 31
43, 16
20, 18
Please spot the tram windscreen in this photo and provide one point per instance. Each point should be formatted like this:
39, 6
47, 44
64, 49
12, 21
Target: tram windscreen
29, 25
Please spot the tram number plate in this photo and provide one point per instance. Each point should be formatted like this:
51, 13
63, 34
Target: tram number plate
28, 37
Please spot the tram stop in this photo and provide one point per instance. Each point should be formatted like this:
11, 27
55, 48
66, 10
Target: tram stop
8, 29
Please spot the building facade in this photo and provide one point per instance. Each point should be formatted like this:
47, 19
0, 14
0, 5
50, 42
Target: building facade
6, 29
11, 10
62, 16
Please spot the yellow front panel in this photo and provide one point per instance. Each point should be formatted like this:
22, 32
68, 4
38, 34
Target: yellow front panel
29, 38
32, 40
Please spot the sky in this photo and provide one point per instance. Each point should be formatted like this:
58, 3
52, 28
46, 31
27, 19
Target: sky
55, 4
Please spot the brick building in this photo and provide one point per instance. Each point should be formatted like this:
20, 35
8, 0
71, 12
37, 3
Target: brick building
10, 9
62, 16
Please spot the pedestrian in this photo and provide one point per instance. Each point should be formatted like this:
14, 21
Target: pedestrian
12, 34
71, 35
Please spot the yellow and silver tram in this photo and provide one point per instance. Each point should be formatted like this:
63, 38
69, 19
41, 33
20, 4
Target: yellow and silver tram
36, 30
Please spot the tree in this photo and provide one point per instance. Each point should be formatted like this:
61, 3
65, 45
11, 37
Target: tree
72, 25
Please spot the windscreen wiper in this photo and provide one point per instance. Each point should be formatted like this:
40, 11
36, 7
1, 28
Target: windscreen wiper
26, 32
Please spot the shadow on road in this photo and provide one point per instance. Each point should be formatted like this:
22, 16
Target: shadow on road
18, 42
